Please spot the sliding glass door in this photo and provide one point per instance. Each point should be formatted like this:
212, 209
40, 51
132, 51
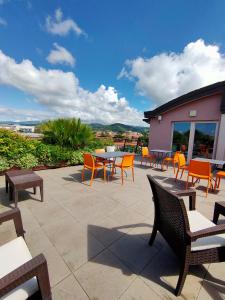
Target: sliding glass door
194, 139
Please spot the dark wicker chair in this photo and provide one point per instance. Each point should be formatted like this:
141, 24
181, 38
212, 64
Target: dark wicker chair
21, 276
194, 239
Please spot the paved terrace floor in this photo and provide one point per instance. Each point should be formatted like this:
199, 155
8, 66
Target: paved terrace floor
95, 238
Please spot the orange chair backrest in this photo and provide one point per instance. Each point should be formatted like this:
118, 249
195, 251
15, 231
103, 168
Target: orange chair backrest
88, 160
128, 160
200, 167
144, 151
99, 150
181, 160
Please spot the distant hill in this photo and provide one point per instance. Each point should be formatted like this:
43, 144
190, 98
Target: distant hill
118, 127
22, 123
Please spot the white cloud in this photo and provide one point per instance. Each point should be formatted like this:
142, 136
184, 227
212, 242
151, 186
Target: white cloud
56, 25
60, 55
169, 75
62, 94
15, 114
3, 22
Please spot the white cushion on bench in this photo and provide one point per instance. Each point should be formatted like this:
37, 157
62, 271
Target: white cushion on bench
12, 255
198, 222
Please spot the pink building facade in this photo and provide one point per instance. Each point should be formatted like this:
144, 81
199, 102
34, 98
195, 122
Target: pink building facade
195, 121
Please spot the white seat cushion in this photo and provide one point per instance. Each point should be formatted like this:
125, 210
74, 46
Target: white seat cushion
198, 222
12, 255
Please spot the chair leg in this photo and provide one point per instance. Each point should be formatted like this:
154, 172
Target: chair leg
218, 182
92, 176
153, 234
82, 178
177, 174
133, 174
122, 175
182, 173
215, 184
104, 172
182, 276
207, 189
188, 182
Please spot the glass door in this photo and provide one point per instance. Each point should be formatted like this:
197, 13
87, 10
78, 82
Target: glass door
181, 133
204, 138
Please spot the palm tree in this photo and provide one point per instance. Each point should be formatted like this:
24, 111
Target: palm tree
67, 132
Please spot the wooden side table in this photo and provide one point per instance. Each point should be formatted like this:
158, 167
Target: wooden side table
219, 209
24, 181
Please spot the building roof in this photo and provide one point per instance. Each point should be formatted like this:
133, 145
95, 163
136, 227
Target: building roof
212, 89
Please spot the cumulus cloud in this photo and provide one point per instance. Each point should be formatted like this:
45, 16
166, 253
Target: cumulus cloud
3, 22
60, 55
62, 94
56, 25
169, 75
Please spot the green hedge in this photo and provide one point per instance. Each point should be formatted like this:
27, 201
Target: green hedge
18, 151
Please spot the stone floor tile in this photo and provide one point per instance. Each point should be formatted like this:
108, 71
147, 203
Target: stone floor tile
37, 241
214, 283
68, 289
105, 231
105, 277
138, 290
47, 211
75, 244
57, 268
134, 252
127, 219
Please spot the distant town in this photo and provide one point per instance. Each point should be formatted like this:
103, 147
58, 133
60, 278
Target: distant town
118, 132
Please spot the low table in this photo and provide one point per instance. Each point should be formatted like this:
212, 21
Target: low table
219, 209
21, 180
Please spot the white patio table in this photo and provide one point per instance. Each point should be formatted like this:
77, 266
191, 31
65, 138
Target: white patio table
211, 161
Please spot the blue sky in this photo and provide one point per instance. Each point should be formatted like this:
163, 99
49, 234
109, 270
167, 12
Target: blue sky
125, 45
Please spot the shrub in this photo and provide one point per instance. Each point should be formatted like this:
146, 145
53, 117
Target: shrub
27, 161
58, 154
43, 153
76, 158
4, 164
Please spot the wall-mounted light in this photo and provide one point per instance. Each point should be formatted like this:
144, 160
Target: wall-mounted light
159, 118
193, 113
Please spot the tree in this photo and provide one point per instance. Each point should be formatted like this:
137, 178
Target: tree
67, 132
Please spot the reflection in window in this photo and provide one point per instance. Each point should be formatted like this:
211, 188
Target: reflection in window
204, 140
181, 134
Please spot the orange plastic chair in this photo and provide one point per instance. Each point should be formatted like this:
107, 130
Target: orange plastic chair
127, 163
90, 164
145, 155
173, 160
200, 170
182, 165
219, 175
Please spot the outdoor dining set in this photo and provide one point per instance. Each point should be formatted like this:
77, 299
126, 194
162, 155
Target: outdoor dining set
197, 169
101, 160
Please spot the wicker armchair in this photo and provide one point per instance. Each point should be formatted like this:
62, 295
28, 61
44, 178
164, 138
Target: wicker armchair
21, 276
194, 239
